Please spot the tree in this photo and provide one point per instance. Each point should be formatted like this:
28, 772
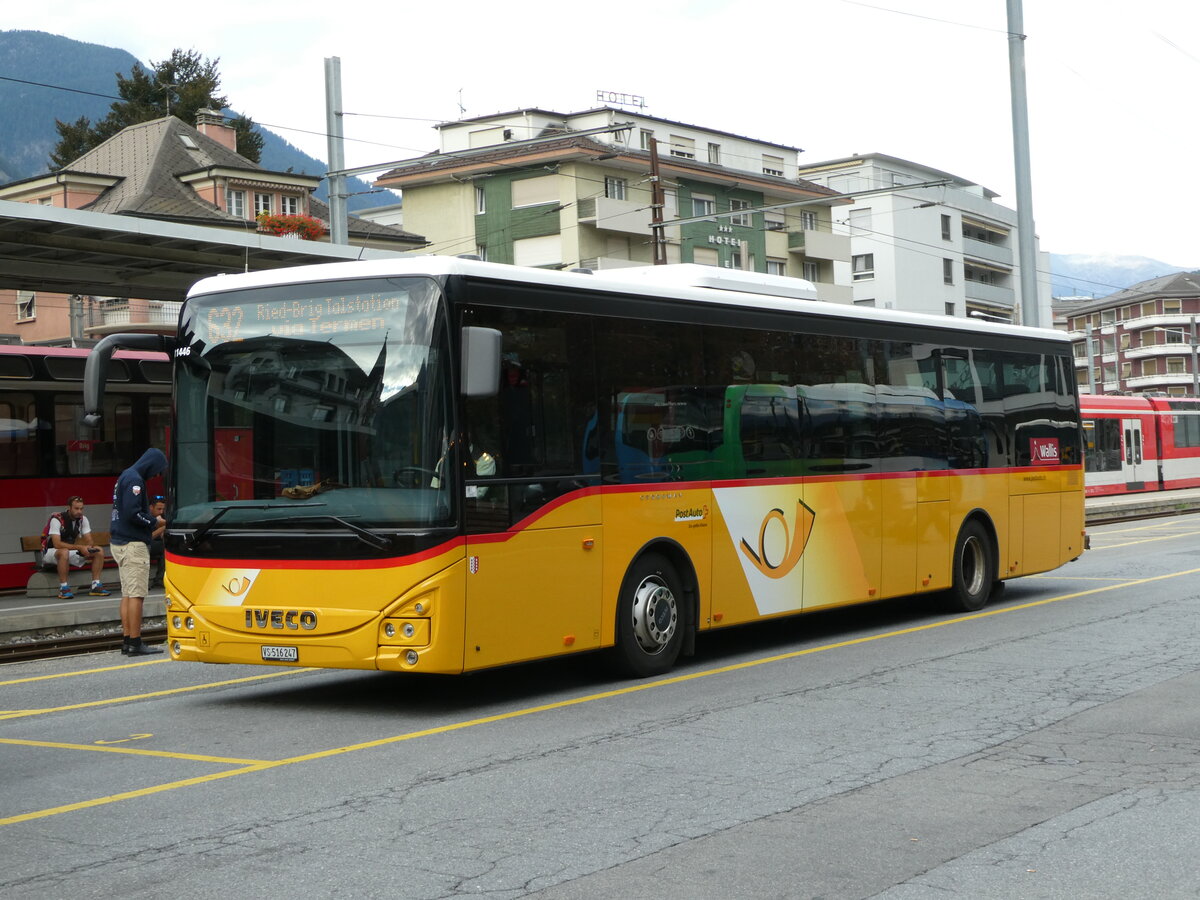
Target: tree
179, 86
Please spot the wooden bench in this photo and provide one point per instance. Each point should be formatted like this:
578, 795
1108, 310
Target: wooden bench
44, 580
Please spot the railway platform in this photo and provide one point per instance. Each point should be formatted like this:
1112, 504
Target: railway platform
26, 619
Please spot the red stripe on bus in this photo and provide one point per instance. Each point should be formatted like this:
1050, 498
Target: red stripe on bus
332, 564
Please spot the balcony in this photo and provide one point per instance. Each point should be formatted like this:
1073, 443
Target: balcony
1152, 350
984, 251
625, 216
990, 293
599, 263
820, 244
1159, 382
134, 315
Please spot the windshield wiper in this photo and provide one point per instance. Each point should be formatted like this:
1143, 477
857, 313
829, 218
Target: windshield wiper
370, 538
193, 539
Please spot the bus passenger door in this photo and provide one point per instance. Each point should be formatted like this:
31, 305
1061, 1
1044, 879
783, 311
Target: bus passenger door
1134, 467
531, 505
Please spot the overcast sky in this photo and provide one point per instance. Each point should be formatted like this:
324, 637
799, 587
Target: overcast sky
925, 80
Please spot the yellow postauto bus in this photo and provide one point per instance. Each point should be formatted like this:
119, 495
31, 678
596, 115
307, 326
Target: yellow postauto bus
442, 465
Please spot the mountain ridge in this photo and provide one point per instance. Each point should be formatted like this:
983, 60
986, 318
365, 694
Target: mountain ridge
63, 78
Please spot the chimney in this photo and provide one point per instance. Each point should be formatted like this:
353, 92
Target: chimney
211, 123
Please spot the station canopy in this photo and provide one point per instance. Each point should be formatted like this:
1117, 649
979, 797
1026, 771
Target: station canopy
70, 251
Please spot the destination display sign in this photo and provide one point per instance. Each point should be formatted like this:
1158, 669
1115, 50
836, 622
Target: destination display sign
310, 318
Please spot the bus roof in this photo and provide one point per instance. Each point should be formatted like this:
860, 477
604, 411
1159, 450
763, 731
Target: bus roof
679, 285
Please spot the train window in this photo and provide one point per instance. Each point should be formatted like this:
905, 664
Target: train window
156, 372
79, 450
15, 367
66, 368
18, 434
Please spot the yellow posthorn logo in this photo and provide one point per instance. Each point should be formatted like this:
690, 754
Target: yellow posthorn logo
237, 586
794, 544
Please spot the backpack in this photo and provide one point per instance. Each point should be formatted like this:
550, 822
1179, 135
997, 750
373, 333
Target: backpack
67, 531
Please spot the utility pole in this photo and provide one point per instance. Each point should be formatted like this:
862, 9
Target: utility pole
657, 201
1091, 362
1027, 255
1195, 368
337, 162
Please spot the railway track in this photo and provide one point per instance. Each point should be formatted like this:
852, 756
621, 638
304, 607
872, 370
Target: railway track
70, 645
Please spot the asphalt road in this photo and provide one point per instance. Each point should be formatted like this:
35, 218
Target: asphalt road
1046, 747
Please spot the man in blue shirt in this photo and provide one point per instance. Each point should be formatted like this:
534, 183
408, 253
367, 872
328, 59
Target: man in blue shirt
130, 535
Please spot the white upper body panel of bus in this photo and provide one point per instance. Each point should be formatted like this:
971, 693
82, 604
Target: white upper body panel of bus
680, 282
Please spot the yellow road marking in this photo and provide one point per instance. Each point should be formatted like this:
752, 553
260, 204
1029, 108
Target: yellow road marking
1149, 540
23, 713
134, 751
152, 662
565, 704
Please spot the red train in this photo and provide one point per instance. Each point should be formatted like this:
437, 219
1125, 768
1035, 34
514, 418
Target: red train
1140, 443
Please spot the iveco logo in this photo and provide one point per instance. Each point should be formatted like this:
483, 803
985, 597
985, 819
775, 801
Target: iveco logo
281, 618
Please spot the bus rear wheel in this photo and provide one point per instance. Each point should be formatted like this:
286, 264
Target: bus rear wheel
974, 568
649, 618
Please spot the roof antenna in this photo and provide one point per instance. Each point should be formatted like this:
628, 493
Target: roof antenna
461, 109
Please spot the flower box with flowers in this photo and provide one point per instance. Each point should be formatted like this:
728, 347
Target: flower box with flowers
306, 228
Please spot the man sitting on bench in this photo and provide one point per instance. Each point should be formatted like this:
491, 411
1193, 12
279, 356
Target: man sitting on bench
67, 543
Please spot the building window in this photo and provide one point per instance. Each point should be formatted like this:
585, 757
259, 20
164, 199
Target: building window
776, 266
1148, 308
860, 221
808, 220
1176, 365
810, 270
863, 266
735, 260
614, 188
774, 221
262, 204
714, 154
536, 191
1172, 307
948, 271
869, 301
1126, 370
705, 257
26, 306
683, 147
703, 204
945, 228
235, 203
647, 135
772, 165
481, 251
289, 206
949, 308
739, 218
480, 200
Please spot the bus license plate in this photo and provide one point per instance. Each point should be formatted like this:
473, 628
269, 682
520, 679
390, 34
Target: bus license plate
280, 654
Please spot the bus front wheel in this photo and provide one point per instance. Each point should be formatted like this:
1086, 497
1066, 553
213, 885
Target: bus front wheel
649, 617
974, 568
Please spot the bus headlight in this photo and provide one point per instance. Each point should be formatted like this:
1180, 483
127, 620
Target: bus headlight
411, 657
176, 622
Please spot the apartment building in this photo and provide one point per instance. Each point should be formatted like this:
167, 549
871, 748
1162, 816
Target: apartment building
540, 188
924, 240
1141, 340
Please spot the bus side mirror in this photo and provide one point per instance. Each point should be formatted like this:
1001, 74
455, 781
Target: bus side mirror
480, 361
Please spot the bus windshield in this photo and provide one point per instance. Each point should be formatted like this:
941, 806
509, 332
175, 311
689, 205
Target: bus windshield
313, 407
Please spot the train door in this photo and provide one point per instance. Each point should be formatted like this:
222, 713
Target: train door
1134, 465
